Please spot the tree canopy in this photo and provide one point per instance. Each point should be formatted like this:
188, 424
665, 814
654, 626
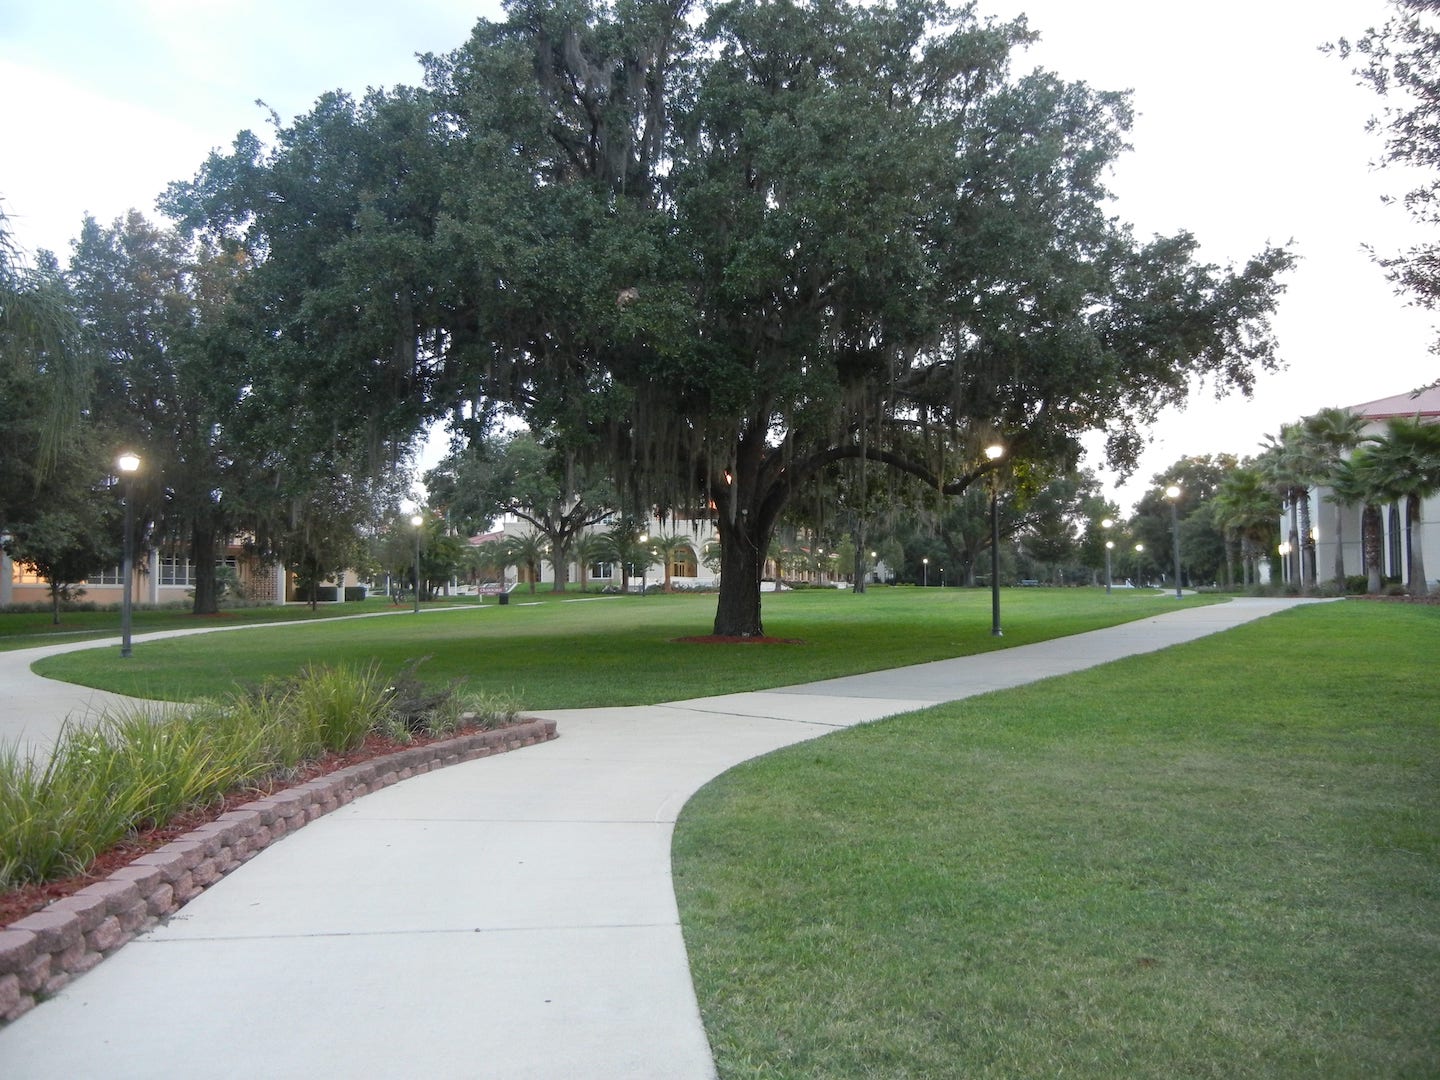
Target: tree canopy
1400, 60
723, 254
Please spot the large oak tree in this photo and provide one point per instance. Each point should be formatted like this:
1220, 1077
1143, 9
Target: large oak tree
723, 255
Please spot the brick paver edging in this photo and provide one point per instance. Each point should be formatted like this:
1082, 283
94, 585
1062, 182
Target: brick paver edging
45, 951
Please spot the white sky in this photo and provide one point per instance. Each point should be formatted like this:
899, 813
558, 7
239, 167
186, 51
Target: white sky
1245, 134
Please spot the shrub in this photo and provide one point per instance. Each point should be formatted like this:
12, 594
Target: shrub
133, 768
340, 705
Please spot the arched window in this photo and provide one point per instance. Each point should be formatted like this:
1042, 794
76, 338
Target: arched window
683, 564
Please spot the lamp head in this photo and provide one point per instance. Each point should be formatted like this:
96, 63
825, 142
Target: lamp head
127, 462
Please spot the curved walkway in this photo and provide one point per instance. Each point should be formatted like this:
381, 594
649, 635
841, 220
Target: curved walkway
508, 918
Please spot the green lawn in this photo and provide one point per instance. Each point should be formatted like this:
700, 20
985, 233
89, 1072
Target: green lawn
1220, 860
26, 630
553, 653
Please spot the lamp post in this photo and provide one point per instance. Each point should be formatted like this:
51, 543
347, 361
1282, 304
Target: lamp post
1173, 494
1107, 523
417, 520
128, 464
644, 566
925, 570
995, 453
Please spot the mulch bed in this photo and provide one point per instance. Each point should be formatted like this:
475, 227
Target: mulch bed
19, 902
722, 639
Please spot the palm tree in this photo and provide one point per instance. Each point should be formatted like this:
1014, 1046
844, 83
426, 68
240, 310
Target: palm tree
587, 548
1354, 482
666, 547
1407, 464
623, 544
1289, 468
528, 550
493, 555
1331, 436
1246, 507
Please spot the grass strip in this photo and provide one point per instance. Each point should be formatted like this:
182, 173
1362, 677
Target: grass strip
1218, 860
28, 629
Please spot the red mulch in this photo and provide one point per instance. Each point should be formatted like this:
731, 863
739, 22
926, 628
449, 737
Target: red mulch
17, 903
723, 639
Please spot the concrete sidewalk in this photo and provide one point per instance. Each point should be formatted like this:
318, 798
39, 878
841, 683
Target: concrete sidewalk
511, 917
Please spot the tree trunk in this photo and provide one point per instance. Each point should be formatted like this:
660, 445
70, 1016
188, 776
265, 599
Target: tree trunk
561, 564
742, 559
1371, 539
1307, 546
1295, 559
202, 556
1415, 562
859, 585
1340, 548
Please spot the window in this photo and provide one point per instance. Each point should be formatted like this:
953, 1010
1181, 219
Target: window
110, 576
684, 564
176, 571
602, 570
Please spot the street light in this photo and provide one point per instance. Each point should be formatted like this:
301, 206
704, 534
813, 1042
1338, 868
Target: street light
995, 453
925, 570
1173, 494
128, 464
417, 520
644, 567
1107, 523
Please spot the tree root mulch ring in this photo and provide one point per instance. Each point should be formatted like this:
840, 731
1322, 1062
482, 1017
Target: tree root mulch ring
23, 900
725, 639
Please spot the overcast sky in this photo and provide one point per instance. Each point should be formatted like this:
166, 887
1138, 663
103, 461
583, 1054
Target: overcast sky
1245, 134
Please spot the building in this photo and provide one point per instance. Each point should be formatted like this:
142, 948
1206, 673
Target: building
1331, 521
161, 578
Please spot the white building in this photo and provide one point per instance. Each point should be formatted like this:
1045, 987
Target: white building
1330, 520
